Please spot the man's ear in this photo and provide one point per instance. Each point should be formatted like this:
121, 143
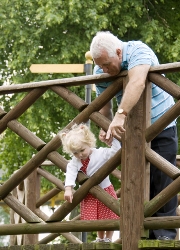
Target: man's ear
119, 53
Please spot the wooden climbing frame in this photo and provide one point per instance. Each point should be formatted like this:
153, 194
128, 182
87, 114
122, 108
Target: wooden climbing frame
134, 208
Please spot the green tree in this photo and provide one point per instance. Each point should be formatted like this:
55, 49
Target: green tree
57, 31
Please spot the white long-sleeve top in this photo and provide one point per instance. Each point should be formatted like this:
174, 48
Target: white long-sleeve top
97, 158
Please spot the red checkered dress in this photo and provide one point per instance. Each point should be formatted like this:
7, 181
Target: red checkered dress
92, 208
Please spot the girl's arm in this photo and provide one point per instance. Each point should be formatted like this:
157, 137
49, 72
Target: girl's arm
71, 175
109, 152
68, 194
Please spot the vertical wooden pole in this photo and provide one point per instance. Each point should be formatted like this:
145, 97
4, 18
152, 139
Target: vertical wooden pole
30, 202
148, 94
88, 69
133, 176
13, 238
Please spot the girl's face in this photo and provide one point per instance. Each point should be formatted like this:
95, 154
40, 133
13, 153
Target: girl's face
83, 152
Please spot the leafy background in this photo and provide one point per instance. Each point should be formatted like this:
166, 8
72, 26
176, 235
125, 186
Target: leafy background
58, 31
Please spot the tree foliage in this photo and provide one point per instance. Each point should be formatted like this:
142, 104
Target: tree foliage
58, 31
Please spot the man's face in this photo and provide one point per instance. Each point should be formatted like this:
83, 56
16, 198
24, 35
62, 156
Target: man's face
110, 65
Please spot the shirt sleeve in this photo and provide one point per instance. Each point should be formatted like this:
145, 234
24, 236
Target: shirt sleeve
71, 174
109, 152
141, 54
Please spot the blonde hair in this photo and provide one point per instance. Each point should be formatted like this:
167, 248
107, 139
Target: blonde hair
72, 139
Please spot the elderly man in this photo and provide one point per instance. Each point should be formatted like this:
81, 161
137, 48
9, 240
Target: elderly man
111, 56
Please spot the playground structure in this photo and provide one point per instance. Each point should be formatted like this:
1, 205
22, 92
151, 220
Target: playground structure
21, 192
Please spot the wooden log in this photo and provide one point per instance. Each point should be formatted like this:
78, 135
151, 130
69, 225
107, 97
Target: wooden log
106, 199
70, 97
81, 80
21, 107
167, 222
26, 134
165, 84
2, 113
100, 120
95, 179
166, 244
89, 246
148, 97
51, 178
163, 122
58, 160
78, 217
100, 246
133, 175
162, 164
148, 244
72, 246
61, 246
69, 236
47, 196
13, 238
60, 227
162, 198
47, 163
97, 103
116, 173
31, 194
119, 240
21, 209
118, 193
166, 68
29, 167
67, 82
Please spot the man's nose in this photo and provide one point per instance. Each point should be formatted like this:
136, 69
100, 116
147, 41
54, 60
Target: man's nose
105, 69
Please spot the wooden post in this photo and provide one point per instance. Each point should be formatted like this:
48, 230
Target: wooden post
31, 195
133, 176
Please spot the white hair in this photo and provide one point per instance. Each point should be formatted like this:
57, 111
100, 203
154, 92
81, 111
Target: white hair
104, 40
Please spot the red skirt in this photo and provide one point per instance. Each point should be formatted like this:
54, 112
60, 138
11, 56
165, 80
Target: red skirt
93, 209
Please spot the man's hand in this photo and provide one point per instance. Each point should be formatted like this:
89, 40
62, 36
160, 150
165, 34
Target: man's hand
68, 195
102, 137
116, 128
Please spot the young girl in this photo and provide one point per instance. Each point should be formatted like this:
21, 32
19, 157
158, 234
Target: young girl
80, 142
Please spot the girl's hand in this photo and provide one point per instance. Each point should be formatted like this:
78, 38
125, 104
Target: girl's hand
102, 137
68, 195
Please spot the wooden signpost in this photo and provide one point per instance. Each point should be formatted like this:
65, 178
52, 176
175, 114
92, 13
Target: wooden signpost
64, 68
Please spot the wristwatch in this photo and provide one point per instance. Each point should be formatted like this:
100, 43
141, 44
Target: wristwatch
121, 111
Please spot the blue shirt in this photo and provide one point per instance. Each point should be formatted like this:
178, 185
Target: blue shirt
137, 53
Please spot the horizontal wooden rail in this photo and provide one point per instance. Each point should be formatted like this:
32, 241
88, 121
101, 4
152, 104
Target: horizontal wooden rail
58, 227
82, 80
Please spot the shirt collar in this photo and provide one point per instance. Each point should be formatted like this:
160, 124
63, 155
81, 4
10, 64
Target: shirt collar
124, 64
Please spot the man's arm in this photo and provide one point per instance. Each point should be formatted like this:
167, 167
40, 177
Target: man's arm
107, 111
135, 86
